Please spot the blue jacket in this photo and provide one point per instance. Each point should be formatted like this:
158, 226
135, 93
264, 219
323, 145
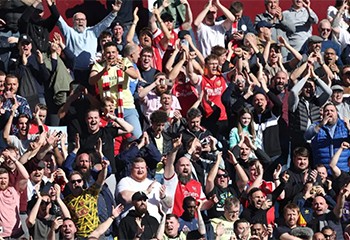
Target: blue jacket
324, 146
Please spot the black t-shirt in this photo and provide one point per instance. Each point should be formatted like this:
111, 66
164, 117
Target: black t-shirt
340, 181
107, 134
281, 230
221, 193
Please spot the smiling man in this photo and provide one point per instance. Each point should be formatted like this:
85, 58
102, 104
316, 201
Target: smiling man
82, 203
22, 139
326, 137
112, 78
153, 190
107, 134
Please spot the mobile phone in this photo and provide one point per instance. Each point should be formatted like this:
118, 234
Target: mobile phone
59, 134
184, 42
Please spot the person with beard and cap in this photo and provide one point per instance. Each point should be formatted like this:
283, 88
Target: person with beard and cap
342, 104
138, 223
150, 95
33, 24
154, 191
304, 106
22, 139
315, 57
82, 203
326, 137
31, 71
325, 33
323, 216
178, 180
10, 203
82, 40
40, 219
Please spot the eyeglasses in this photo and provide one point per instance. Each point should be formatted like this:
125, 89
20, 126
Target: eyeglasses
347, 73
76, 181
326, 29
222, 175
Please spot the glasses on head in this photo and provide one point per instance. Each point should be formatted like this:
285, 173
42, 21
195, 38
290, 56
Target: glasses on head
222, 175
76, 181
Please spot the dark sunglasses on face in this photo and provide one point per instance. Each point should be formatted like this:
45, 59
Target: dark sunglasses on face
222, 175
76, 181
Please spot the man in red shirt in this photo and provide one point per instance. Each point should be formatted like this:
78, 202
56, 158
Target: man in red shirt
213, 84
179, 182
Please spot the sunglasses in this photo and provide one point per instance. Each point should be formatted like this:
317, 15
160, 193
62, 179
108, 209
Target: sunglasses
222, 175
76, 181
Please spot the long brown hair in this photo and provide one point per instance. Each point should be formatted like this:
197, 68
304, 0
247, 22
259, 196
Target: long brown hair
251, 128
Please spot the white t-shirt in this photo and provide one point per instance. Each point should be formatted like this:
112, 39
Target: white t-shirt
210, 36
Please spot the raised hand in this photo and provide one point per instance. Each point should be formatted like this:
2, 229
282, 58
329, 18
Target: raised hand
117, 5
136, 17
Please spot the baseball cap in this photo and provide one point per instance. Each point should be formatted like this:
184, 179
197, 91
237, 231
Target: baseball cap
263, 24
337, 88
137, 196
24, 38
166, 17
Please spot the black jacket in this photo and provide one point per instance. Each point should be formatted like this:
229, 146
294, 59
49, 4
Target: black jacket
128, 228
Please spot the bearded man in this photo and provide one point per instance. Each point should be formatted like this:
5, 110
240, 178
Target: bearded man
154, 191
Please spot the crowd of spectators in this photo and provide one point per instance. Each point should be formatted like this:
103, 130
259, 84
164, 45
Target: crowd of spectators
193, 127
